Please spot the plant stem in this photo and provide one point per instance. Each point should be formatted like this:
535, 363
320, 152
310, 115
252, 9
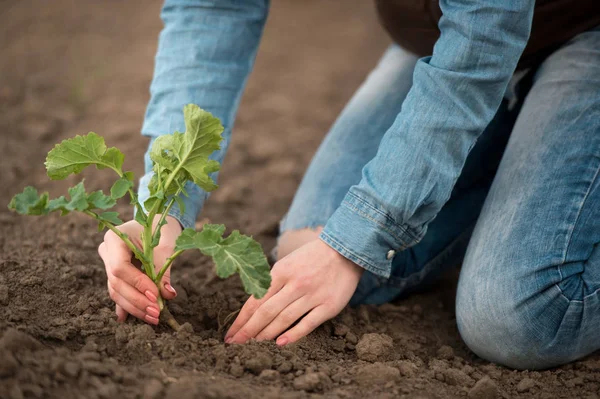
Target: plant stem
165, 314
120, 234
166, 266
164, 215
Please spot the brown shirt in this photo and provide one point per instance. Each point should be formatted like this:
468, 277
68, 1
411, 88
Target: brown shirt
413, 24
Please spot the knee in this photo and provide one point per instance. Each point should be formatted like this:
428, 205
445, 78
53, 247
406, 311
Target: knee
291, 240
523, 334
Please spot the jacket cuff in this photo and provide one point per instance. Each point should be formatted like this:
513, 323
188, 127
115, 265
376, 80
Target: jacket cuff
192, 203
366, 235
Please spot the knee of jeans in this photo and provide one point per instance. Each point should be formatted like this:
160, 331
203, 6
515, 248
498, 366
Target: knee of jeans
513, 333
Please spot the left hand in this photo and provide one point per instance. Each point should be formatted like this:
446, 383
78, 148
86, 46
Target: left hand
314, 281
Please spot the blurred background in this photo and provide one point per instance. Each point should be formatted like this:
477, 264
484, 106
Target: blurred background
68, 67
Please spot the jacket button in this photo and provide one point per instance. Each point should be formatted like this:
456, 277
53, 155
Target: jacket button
391, 253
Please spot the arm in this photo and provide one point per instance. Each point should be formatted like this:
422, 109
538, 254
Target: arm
205, 54
455, 94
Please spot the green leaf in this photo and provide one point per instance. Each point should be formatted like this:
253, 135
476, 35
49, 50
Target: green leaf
98, 200
186, 154
181, 204
79, 200
75, 154
29, 202
141, 217
120, 187
236, 253
111, 217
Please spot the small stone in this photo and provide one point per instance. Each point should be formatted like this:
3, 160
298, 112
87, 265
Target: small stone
185, 331
341, 330
417, 309
457, 377
407, 369
312, 382
525, 385
485, 388
70, 369
269, 375
153, 389
285, 367
236, 370
259, 362
373, 347
351, 338
445, 352
376, 374
338, 345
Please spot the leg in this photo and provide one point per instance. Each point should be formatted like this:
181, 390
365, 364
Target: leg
529, 290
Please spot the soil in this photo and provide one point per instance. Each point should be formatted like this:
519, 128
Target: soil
67, 68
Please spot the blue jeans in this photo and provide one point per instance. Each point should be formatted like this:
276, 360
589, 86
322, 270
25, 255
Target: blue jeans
523, 218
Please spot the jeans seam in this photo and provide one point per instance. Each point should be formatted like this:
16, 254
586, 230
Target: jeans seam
405, 231
570, 236
402, 241
365, 264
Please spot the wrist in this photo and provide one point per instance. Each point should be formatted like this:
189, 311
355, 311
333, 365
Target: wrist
337, 257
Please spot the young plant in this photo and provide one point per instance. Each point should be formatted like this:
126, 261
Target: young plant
177, 159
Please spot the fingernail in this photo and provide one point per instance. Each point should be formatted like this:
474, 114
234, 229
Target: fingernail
150, 296
282, 341
152, 311
151, 320
170, 288
228, 340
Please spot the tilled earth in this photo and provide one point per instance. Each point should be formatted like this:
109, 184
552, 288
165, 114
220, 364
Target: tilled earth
68, 67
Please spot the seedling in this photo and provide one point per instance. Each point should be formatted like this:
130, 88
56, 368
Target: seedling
176, 159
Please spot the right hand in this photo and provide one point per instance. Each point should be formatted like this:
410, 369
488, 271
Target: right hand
132, 290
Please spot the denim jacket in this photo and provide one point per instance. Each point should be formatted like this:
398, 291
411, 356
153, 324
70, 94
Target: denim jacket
206, 52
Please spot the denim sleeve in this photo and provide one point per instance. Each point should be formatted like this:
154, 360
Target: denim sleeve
205, 54
454, 96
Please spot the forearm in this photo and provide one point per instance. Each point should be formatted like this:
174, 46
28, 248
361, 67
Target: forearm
205, 54
455, 94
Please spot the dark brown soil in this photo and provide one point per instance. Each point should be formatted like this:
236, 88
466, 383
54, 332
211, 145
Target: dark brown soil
68, 67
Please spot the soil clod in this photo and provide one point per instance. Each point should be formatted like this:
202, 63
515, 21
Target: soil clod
373, 347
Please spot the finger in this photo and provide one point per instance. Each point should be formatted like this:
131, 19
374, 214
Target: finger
265, 314
121, 314
130, 308
143, 302
314, 319
249, 308
286, 318
132, 276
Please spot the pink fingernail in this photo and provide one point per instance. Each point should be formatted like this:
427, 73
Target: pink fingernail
152, 311
228, 340
170, 288
281, 341
150, 296
151, 320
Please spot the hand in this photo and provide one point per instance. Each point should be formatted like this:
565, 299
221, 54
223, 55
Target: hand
133, 292
314, 281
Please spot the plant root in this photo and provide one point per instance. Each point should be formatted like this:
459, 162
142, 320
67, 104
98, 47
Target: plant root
167, 318
228, 320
